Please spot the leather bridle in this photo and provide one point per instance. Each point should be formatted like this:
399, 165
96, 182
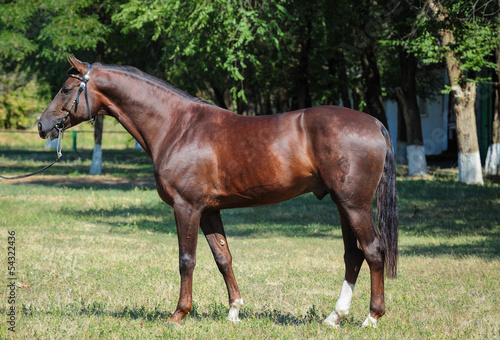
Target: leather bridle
83, 86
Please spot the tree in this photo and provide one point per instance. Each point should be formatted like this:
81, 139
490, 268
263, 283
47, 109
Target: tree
273, 55
492, 166
461, 34
96, 165
209, 44
20, 100
40, 35
366, 42
262, 56
406, 92
407, 100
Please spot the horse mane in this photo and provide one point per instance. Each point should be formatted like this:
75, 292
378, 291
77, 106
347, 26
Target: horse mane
133, 71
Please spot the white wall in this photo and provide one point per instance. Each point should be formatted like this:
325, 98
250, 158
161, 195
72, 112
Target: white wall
434, 117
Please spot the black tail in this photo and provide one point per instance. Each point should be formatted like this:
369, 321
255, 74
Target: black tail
387, 207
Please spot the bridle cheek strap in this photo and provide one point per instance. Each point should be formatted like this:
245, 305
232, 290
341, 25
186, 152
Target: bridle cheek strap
83, 86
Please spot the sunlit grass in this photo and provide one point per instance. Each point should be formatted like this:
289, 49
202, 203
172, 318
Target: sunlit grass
97, 258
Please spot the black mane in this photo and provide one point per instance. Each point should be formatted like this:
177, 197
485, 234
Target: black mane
130, 70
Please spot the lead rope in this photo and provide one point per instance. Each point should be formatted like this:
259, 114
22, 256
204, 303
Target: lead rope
59, 155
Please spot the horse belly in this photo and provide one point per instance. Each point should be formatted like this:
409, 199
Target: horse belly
262, 195
269, 181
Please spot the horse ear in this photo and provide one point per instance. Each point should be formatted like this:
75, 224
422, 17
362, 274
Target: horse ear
76, 64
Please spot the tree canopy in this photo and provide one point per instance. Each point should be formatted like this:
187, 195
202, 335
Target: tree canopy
254, 57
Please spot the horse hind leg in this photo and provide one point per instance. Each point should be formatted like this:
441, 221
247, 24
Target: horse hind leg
374, 257
211, 224
353, 259
363, 227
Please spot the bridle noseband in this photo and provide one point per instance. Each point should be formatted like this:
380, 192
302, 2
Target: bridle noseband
83, 86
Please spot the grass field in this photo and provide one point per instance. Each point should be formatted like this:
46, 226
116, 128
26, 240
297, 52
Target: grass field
96, 258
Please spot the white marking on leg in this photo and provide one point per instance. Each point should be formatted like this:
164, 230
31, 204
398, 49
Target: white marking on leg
342, 306
235, 310
370, 322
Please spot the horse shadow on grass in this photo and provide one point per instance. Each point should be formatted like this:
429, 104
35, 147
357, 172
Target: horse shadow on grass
217, 312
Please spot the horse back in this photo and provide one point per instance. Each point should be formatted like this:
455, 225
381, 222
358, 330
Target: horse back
229, 161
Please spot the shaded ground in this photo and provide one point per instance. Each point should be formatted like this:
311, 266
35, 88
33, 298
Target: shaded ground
87, 181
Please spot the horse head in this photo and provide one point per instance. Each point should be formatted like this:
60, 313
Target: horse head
67, 109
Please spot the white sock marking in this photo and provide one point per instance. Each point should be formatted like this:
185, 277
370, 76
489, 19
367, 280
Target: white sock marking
235, 310
342, 306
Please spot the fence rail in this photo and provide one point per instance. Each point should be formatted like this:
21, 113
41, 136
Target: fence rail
36, 132
74, 135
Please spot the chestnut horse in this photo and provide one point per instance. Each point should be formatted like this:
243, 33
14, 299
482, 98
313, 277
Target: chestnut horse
207, 159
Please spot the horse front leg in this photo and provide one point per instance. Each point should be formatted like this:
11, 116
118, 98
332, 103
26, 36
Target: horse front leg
187, 219
211, 224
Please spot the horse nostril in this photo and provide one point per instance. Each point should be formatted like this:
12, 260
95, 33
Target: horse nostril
40, 131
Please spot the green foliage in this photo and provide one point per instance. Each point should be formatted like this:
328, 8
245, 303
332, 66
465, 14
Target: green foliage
237, 53
35, 37
21, 100
475, 35
208, 39
50, 29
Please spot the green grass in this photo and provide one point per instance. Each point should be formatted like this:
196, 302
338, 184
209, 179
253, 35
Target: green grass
96, 258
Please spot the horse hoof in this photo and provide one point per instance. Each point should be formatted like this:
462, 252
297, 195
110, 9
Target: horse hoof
234, 320
333, 319
370, 322
331, 323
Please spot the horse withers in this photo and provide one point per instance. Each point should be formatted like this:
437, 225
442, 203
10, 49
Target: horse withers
205, 159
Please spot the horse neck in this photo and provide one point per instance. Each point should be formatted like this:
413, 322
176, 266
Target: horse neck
149, 112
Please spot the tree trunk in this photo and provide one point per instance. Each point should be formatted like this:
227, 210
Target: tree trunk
217, 94
302, 72
337, 69
407, 99
96, 166
365, 43
469, 161
464, 97
401, 157
373, 93
492, 166
356, 98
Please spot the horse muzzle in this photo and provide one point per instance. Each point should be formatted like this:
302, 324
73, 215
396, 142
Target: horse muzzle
50, 130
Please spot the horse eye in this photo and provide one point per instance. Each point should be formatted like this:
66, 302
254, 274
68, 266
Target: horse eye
65, 90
